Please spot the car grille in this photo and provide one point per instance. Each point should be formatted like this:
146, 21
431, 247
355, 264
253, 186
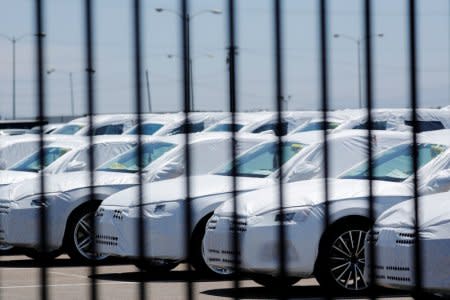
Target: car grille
107, 240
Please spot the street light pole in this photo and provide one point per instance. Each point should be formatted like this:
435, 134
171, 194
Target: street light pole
148, 91
188, 21
357, 41
13, 41
72, 98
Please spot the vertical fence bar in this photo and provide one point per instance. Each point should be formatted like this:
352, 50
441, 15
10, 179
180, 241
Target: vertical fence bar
232, 106
323, 34
185, 66
278, 44
367, 20
413, 86
90, 98
137, 38
42, 228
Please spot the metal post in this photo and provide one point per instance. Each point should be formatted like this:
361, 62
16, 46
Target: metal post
72, 100
148, 91
14, 77
358, 42
188, 32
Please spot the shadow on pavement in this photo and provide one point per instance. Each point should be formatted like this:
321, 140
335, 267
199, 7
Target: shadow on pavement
172, 276
297, 292
55, 263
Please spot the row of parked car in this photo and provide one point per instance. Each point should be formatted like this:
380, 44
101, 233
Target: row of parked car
335, 252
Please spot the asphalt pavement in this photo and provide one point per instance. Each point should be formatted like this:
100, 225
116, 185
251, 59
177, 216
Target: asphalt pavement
20, 278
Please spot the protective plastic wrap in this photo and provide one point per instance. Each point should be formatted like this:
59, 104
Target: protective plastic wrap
394, 231
15, 148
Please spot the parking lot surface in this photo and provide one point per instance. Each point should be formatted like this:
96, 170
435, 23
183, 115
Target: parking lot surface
19, 279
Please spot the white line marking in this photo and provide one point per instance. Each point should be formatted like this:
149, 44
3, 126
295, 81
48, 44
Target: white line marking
62, 285
69, 275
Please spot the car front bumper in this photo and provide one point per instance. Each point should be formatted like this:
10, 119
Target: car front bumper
259, 245
395, 260
118, 234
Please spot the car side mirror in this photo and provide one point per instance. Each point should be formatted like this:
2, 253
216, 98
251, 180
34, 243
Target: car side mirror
270, 131
303, 171
440, 182
169, 171
75, 165
2, 164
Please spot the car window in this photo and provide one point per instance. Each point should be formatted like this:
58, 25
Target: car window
273, 127
395, 164
426, 125
147, 128
262, 160
226, 127
313, 126
128, 161
376, 125
68, 129
33, 162
109, 129
192, 128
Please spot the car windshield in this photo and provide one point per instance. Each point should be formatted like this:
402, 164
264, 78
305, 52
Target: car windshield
68, 129
226, 127
313, 126
261, 161
147, 129
395, 164
128, 161
33, 162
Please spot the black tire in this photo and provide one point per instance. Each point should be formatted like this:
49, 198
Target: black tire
76, 229
46, 256
271, 282
196, 255
156, 268
339, 268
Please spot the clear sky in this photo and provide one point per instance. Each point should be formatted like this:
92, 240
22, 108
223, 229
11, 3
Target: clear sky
114, 85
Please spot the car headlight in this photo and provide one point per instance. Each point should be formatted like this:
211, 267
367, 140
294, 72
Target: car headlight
162, 208
298, 214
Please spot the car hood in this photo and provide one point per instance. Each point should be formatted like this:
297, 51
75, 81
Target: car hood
64, 182
434, 215
308, 193
175, 189
8, 176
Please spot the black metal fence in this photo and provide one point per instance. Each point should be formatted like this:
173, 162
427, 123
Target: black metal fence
233, 83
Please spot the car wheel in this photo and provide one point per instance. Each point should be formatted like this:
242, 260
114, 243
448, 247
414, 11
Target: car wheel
341, 258
4, 248
269, 281
196, 251
78, 238
155, 267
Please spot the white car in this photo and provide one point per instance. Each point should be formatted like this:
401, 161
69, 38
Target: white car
394, 237
164, 202
174, 123
66, 155
68, 195
334, 255
103, 125
15, 148
400, 120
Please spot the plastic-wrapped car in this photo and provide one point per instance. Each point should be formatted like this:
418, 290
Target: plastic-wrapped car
164, 202
102, 125
15, 148
395, 241
334, 255
68, 200
66, 155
